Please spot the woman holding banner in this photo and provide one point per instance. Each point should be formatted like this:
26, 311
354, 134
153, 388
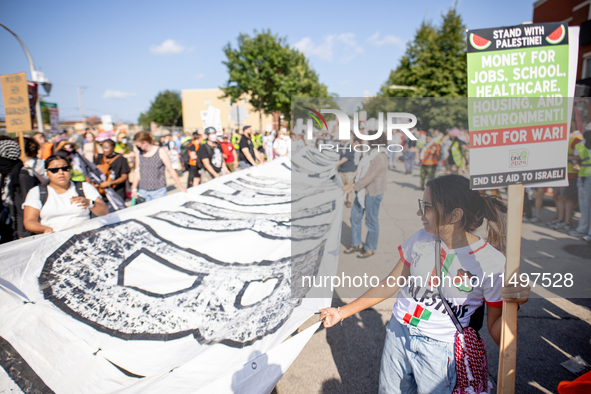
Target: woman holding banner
421, 339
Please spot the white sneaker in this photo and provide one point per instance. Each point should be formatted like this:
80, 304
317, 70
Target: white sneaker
534, 219
558, 226
587, 238
577, 234
553, 222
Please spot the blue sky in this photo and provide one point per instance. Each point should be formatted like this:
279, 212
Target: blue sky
125, 52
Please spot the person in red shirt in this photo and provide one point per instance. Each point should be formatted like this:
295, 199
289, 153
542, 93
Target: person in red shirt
228, 151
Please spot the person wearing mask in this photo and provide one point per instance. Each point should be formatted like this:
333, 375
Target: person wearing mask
61, 204
347, 166
457, 159
246, 154
228, 150
370, 184
149, 179
212, 158
46, 147
115, 167
90, 149
282, 144
194, 162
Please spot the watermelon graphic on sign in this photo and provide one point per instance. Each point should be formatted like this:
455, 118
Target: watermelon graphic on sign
557, 35
479, 42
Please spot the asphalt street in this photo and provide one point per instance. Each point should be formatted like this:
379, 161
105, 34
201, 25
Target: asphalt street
553, 326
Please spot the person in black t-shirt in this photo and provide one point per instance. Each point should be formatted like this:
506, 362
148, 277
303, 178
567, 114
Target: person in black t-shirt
118, 168
246, 149
212, 157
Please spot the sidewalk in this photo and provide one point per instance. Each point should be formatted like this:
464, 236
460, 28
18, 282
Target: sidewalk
346, 359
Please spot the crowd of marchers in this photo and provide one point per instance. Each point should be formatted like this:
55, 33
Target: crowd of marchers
52, 184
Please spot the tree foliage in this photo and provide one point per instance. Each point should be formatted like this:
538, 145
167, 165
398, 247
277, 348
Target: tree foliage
434, 62
269, 73
166, 110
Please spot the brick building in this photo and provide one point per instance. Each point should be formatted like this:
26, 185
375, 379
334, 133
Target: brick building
575, 13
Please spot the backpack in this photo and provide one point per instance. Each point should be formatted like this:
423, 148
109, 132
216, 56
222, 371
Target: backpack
43, 192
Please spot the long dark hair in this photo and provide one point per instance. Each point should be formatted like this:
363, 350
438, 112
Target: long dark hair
449, 192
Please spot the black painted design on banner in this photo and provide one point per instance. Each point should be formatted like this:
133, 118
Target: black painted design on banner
264, 227
85, 277
20, 371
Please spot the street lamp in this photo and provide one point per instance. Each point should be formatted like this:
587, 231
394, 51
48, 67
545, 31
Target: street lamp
36, 76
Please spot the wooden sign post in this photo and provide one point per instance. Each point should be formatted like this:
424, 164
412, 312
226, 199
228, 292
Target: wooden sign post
508, 346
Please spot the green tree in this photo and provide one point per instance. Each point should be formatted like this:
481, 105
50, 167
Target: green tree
144, 121
166, 110
269, 73
434, 62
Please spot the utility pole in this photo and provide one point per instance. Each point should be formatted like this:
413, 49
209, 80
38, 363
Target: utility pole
81, 106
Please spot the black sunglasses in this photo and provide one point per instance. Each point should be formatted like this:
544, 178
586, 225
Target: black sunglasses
55, 170
423, 206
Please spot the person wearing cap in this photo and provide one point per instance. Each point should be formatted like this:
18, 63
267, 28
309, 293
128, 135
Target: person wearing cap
212, 158
228, 151
246, 154
458, 154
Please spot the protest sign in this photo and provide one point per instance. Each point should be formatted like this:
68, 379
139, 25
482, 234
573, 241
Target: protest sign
53, 115
520, 79
15, 92
520, 86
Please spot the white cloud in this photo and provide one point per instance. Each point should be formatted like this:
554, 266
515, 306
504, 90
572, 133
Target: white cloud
376, 41
344, 45
199, 76
117, 94
168, 47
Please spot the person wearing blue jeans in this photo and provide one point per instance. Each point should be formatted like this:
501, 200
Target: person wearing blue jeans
372, 208
392, 159
421, 338
369, 185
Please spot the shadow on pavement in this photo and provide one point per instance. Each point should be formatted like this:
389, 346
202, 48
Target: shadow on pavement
406, 185
345, 235
356, 348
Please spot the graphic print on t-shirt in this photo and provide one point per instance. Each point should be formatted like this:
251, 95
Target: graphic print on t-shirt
469, 276
419, 314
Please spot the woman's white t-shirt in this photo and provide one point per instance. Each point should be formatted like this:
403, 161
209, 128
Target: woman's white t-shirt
472, 275
282, 145
58, 212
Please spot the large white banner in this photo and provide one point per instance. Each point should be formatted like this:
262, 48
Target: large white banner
194, 292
